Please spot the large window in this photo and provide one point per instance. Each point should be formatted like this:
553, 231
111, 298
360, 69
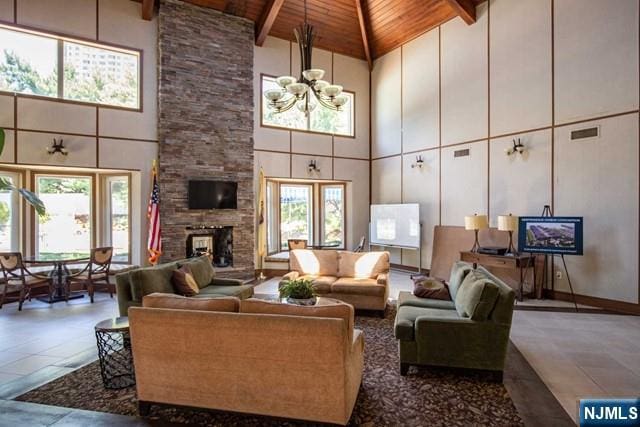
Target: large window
36, 63
321, 120
117, 216
296, 213
314, 211
332, 214
66, 229
9, 215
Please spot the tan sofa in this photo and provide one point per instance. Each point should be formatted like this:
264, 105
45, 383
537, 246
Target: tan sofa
360, 279
248, 356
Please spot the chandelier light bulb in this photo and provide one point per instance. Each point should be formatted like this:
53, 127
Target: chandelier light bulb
284, 81
273, 95
313, 74
297, 89
339, 101
332, 90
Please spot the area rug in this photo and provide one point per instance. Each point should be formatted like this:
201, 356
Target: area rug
426, 397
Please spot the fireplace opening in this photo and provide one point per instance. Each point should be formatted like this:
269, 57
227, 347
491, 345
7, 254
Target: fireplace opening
217, 242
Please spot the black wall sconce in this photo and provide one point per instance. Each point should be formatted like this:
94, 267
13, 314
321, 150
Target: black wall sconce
418, 163
57, 147
518, 147
313, 167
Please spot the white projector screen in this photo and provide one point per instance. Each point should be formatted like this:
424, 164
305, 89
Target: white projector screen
395, 225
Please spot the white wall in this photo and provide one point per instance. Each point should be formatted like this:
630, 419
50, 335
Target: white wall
497, 83
97, 137
285, 154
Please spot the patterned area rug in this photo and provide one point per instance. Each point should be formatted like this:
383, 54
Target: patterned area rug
426, 397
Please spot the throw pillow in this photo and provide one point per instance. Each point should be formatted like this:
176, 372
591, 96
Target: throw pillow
430, 288
476, 297
183, 281
202, 270
177, 302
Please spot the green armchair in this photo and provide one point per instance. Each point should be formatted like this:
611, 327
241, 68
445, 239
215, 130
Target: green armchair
471, 331
135, 284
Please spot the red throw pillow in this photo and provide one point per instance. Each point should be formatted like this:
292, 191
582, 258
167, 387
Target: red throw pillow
184, 282
431, 288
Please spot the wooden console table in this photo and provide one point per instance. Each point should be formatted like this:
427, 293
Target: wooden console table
521, 263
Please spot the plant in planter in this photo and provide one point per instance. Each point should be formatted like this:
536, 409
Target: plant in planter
298, 291
6, 185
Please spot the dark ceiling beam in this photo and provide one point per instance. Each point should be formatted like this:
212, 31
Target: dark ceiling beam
147, 9
267, 19
363, 32
465, 9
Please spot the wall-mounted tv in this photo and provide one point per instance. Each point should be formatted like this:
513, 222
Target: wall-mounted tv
213, 195
550, 235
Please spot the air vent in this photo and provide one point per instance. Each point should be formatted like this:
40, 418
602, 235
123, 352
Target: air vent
461, 153
585, 133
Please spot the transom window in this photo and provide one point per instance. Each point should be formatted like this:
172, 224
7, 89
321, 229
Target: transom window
37, 63
320, 120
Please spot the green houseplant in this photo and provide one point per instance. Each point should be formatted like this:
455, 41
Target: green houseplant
6, 185
298, 291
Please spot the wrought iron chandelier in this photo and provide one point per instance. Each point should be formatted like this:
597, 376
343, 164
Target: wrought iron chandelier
309, 90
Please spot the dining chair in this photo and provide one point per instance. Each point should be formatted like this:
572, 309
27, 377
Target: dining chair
96, 272
18, 277
360, 246
297, 244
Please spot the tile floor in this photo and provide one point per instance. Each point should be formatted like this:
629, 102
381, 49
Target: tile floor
577, 355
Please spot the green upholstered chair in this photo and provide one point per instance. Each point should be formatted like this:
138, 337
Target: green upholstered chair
134, 284
471, 331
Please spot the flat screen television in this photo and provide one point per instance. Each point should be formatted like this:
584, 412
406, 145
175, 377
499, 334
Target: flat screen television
213, 195
550, 235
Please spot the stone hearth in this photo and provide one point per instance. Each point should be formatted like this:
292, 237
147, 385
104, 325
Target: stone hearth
205, 123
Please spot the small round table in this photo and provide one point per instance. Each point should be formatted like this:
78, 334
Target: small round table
58, 273
114, 353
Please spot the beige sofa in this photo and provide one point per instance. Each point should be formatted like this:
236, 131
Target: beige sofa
248, 356
360, 279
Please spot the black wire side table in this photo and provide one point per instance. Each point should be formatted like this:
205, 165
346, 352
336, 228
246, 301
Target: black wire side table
114, 353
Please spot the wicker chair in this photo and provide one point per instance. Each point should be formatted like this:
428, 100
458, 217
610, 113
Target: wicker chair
96, 273
19, 278
297, 244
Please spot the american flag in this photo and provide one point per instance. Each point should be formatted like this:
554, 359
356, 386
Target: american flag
154, 246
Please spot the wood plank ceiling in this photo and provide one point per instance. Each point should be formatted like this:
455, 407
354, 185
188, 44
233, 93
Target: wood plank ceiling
365, 29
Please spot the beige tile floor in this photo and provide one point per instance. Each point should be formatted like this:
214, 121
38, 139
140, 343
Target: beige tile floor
577, 355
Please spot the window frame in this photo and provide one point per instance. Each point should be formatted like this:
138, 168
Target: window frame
35, 173
315, 132
61, 38
22, 219
321, 211
312, 210
105, 223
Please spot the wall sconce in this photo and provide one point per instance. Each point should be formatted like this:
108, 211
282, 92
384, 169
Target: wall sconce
518, 147
57, 147
418, 163
313, 167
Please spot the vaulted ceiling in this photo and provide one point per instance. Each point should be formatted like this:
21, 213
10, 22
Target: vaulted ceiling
363, 29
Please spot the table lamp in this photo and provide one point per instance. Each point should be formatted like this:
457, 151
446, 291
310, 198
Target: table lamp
508, 223
476, 223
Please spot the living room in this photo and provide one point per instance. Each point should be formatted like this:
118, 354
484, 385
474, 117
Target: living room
433, 204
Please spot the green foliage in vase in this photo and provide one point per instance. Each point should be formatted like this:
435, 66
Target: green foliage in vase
7, 185
298, 289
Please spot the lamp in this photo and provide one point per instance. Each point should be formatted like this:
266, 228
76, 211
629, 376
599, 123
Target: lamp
313, 167
57, 147
418, 163
476, 223
508, 223
518, 147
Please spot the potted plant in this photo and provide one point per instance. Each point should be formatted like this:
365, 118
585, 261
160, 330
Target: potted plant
298, 291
